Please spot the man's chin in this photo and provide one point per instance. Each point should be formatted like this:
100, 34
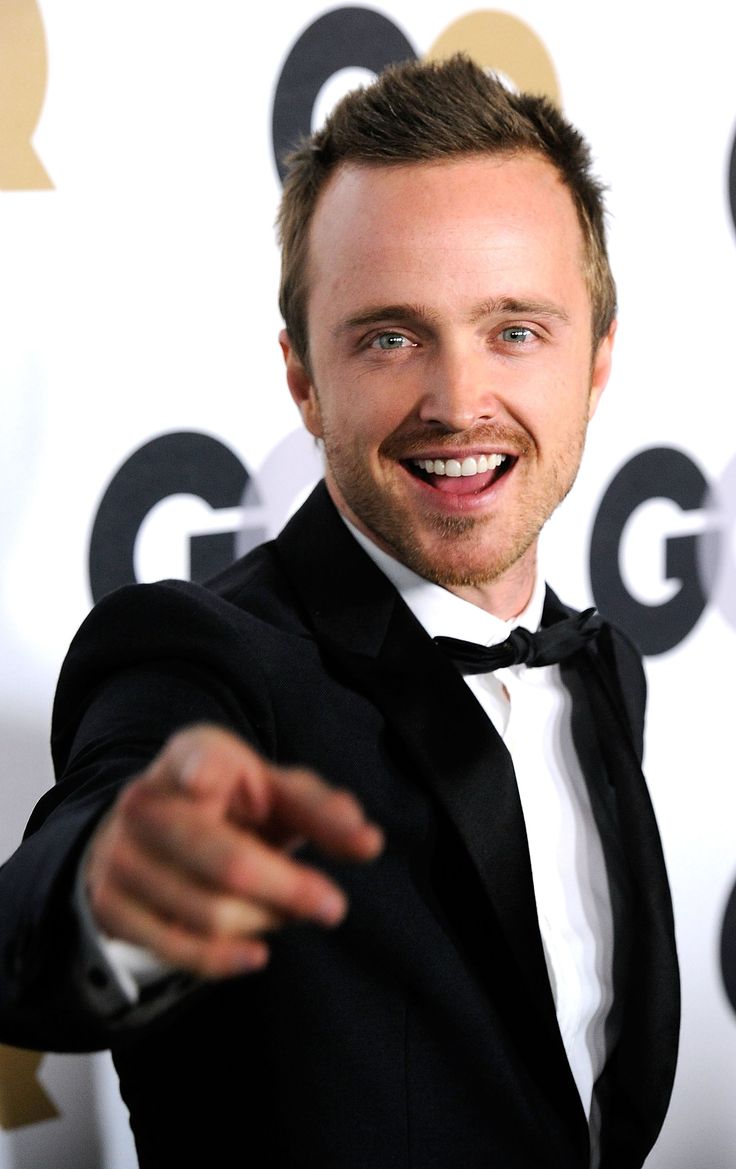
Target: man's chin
468, 575
455, 551
451, 566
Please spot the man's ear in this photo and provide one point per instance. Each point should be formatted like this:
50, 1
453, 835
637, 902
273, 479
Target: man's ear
301, 387
601, 369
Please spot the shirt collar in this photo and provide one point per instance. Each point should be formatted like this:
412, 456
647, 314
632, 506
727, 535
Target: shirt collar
442, 613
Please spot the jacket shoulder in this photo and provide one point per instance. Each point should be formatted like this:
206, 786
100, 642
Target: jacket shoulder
220, 632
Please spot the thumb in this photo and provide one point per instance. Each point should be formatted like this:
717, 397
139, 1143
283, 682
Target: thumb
212, 765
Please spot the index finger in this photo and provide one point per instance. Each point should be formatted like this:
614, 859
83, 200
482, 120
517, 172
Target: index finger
332, 818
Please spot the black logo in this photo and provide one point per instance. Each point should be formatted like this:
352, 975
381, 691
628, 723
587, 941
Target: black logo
656, 473
342, 38
182, 463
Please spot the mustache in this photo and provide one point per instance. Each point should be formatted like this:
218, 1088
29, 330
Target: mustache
414, 442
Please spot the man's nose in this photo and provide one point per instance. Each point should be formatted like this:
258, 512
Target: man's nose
458, 390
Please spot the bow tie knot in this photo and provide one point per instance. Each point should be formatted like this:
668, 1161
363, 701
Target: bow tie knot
548, 645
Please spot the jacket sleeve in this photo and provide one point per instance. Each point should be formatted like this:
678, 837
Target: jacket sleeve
148, 661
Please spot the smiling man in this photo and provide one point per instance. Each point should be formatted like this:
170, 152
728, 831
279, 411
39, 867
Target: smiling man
452, 365
498, 986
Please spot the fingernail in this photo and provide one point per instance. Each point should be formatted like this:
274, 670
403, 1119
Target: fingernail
189, 770
251, 960
376, 840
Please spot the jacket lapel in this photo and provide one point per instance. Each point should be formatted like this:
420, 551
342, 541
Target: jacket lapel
366, 630
607, 707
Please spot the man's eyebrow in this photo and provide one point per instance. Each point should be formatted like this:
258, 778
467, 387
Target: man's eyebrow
396, 313
418, 314
510, 305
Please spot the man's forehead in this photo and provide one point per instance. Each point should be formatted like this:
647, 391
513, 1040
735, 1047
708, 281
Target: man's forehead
356, 185
473, 202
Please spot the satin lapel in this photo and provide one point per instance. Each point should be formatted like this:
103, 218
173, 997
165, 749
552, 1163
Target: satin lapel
363, 626
608, 754
650, 1002
593, 678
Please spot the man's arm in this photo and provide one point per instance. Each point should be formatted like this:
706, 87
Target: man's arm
153, 817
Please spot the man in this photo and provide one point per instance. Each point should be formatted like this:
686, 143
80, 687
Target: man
498, 986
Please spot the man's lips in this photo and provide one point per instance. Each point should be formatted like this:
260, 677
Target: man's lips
461, 465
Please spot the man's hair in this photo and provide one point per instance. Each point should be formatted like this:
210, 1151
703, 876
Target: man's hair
428, 112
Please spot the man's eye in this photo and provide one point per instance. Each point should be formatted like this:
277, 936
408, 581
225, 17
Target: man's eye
517, 334
391, 341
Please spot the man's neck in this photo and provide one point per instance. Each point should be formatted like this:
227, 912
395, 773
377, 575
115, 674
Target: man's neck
504, 598
509, 594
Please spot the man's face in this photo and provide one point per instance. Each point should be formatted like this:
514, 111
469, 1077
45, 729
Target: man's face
451, 375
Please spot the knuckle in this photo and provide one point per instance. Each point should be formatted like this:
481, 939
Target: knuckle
176, 945
103, 904
305, 779
307, 892
340, 804
242, 870
105, 854
214, 960
132, 801
209, 958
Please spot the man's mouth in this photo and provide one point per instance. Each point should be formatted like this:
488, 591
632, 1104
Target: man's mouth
465, 468
474, 472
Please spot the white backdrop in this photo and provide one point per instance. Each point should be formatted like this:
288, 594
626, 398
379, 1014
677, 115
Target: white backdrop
138, 300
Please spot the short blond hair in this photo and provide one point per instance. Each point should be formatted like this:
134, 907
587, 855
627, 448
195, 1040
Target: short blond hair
428, 111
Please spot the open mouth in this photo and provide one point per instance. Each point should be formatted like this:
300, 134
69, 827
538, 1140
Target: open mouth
463, 476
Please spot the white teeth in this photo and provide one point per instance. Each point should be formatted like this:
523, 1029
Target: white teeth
454, 469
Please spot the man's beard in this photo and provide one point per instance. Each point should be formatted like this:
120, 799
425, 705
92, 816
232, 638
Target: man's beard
446, 549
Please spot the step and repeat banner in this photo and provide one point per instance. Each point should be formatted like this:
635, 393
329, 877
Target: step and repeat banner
147, 430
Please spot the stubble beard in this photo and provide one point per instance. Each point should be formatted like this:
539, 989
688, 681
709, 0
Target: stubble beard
447, 553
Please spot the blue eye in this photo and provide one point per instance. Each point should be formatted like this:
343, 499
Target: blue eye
516, 334
391, 341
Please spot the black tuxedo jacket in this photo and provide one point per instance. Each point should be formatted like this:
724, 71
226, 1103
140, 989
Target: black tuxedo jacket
422, 1032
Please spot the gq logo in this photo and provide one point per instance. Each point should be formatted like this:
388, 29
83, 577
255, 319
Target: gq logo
694, 565
23, 69
359, 38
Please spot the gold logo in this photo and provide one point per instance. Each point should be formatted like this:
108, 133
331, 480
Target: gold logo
505, 44
22, 1098
22, 89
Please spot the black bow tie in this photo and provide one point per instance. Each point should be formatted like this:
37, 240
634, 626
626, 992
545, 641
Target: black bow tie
545, 647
